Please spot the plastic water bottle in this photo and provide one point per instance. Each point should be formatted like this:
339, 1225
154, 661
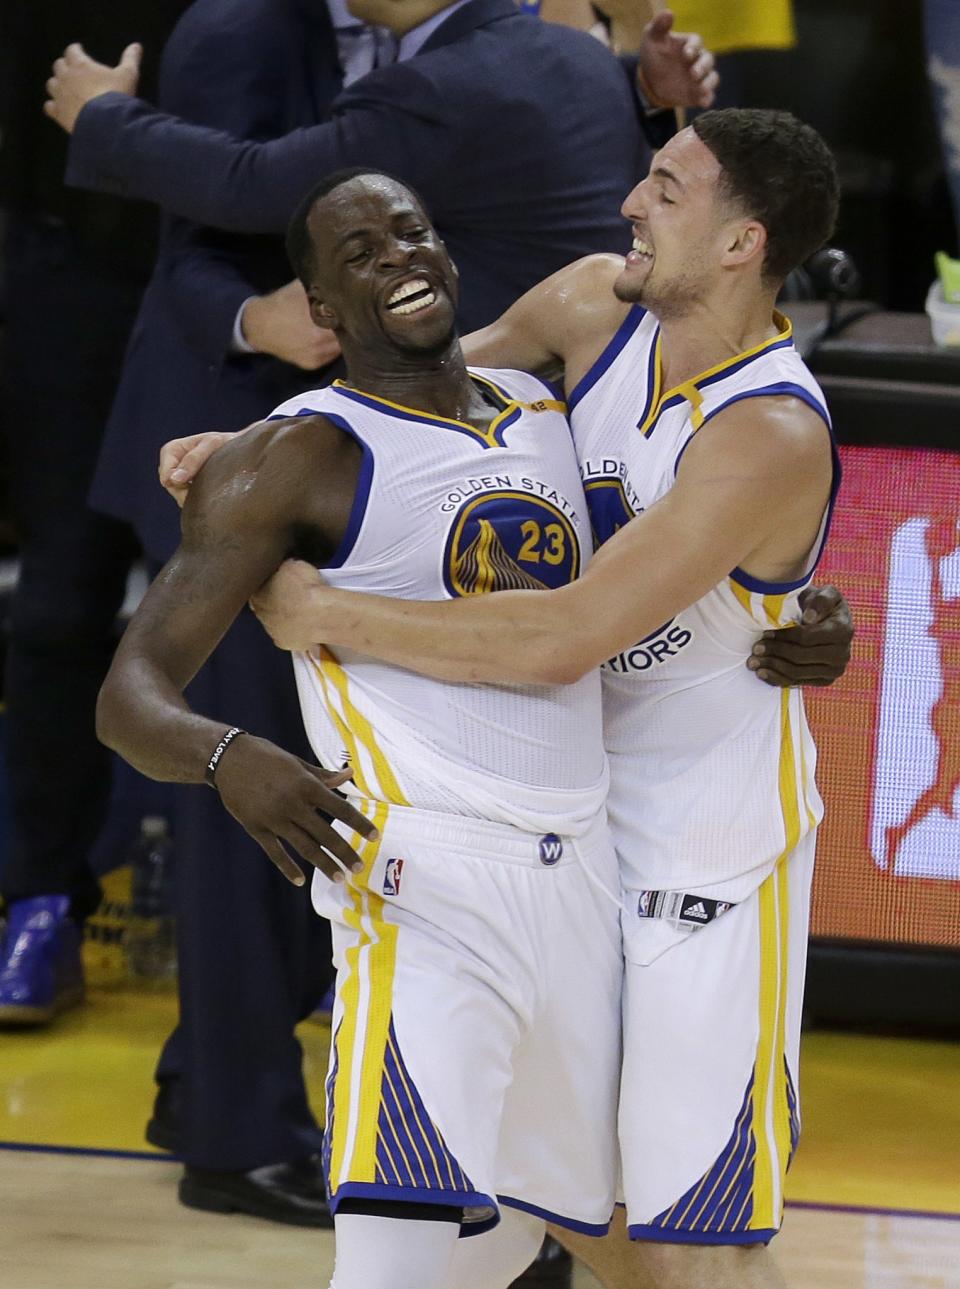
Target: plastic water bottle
149, 940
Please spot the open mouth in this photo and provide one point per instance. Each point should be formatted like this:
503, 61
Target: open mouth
642, 250
411, 297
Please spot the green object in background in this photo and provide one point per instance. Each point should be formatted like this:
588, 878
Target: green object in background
949, 273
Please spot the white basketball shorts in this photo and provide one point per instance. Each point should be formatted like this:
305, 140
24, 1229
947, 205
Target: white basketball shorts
476, 1032
709, 1111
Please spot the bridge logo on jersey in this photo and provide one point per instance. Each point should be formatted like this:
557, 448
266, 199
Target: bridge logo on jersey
915, 825
608, 507
509, 541
610, 510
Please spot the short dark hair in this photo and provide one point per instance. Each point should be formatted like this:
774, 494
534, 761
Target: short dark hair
298, 243
780, 172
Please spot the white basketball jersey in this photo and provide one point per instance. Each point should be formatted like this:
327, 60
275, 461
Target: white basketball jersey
444, 510
712, 771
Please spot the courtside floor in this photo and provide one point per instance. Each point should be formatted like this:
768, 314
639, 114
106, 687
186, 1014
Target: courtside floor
85, 1204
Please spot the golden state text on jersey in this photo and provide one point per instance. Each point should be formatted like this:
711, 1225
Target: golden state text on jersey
444, 509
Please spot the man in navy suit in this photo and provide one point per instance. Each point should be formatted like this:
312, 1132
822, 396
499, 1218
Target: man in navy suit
253, 957
516, 132
521, 137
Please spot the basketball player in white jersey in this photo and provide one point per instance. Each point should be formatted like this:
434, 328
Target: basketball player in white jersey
476, 1050
707, 460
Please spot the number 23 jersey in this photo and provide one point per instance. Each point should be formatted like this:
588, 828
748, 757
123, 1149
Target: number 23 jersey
443, 510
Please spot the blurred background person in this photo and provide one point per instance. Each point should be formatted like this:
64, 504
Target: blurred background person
74, 268
217, 344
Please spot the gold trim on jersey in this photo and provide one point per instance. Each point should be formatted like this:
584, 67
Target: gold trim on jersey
772, 1110
366, 996
689, 389
366, 756
765, 610
488, 436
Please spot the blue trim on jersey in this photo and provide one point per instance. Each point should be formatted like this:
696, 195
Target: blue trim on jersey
780, 389
786, 343
617, 342
420, 1195
793, 1109
657, 1235
361, 496
571, 1224
551, 386
509, 415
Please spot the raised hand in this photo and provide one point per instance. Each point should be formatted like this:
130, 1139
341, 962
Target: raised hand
77, 78
675, 70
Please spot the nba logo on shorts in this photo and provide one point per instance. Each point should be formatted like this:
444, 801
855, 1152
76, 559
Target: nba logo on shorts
391, 878
551, 849
915, 824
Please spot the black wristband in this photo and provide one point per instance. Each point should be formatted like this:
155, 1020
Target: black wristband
211, 771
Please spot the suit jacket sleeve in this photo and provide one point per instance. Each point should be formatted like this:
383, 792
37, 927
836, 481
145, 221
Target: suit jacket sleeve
217, 78
393, 119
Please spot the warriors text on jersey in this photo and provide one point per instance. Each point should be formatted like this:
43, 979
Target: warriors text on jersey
442, 510
712, 772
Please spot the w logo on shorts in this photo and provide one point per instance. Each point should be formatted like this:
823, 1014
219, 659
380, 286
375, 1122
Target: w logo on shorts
392, 876
551, 849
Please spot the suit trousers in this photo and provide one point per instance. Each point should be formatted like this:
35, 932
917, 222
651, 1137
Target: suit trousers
67, 322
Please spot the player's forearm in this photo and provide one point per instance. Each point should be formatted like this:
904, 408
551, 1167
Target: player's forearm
143, 716
512, 637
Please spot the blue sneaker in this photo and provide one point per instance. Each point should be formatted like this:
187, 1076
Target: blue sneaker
41, 972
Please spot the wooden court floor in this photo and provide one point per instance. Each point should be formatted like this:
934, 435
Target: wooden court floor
874, 1192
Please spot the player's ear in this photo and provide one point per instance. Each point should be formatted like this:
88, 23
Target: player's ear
746, 241
322, 313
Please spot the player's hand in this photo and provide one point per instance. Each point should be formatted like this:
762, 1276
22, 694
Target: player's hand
674, 69
816, 651
77, 78
182, 459
288, 606
280, 324
283, 802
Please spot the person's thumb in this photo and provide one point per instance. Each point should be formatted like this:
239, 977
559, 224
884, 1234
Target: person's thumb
660, 25
131, 58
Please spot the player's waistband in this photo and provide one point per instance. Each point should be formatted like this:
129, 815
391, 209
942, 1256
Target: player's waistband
498, 842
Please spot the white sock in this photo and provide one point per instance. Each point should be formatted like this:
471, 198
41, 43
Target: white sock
495, 1259
393, 1252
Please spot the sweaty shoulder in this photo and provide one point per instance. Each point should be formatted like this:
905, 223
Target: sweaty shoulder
774, 434
271, 471
584, 311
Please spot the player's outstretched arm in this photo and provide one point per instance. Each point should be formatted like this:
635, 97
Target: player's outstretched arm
236, 529
728, 509
549, 327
